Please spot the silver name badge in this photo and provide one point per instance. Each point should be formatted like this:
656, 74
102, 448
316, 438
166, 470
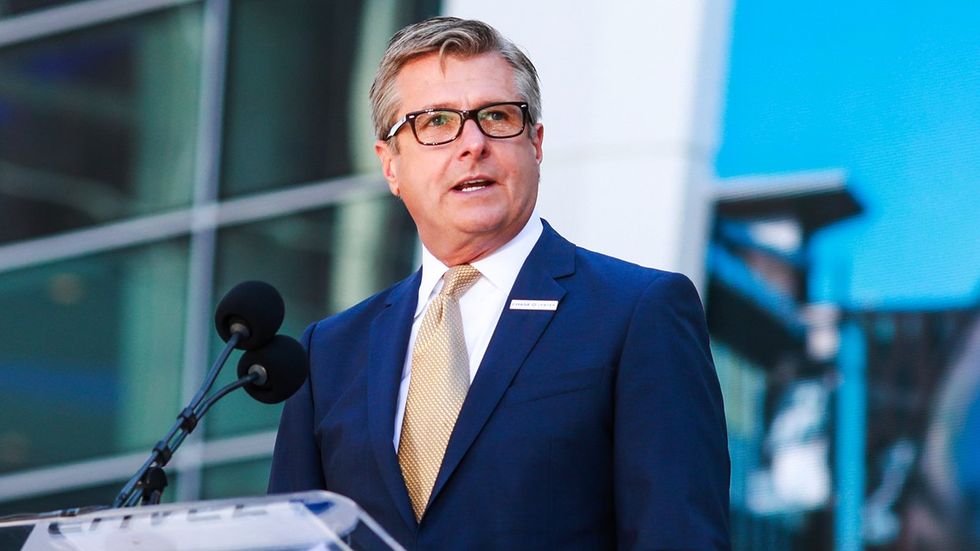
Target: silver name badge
525, 304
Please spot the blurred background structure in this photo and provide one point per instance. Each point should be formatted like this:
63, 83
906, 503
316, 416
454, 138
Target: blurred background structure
815, 169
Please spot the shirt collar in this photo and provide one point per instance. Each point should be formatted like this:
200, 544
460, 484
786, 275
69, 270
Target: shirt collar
500, 268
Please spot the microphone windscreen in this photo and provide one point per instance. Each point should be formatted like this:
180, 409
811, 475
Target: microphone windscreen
286, 365
255, 304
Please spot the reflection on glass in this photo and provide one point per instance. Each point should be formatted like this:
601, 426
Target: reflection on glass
90, 355
289, 79
98, 125
82, 497
321, 262
17, 7
248, 478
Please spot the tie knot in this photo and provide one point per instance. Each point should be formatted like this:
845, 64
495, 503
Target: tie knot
458, 279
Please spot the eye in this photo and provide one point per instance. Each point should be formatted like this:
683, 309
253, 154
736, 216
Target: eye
494, 114
434, 119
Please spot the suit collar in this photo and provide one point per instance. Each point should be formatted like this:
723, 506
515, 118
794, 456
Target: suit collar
500, 268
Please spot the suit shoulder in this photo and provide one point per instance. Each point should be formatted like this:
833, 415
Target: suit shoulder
622, 272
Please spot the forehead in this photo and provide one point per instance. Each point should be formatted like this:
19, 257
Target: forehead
454, 81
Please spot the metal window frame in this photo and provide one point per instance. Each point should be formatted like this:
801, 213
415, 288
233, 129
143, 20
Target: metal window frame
200, 222
116, 468
51, 21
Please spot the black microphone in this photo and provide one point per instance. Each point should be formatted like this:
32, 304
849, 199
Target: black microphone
254, 309
269, 374
282, 367
247, 317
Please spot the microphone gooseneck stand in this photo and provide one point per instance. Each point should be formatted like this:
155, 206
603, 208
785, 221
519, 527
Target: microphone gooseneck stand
146, 486
272, 369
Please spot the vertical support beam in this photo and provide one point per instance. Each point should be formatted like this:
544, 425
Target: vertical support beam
200, 283
164, 96
851, 414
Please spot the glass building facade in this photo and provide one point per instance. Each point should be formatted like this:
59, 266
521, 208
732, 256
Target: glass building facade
154, 153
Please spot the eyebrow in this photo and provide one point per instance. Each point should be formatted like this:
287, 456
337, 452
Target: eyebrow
452, 105
436, 106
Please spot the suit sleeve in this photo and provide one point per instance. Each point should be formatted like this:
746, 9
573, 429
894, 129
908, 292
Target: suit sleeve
296, 460
671, 464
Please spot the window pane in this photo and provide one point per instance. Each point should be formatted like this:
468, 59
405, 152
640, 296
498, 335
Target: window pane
296, 107
289, 77
248, 478
99, 125
321, 262
91, 354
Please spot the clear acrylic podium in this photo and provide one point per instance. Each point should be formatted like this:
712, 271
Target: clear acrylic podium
302, 521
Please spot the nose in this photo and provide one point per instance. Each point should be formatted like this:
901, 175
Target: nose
472, 141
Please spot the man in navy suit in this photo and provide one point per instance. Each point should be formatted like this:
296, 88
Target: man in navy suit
593, 417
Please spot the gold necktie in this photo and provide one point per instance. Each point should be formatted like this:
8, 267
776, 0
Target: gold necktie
440, 379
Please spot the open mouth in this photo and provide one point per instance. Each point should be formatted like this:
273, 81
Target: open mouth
470, 186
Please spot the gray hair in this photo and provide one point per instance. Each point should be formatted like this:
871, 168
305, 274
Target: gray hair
447, 36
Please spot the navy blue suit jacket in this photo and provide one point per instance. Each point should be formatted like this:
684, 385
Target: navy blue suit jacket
598, 425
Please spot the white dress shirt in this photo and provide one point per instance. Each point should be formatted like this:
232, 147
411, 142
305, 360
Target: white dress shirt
480, 306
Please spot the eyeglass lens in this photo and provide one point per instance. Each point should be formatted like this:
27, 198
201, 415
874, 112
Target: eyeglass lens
497, 121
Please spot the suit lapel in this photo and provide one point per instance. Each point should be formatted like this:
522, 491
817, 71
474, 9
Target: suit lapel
516, 334
388, 341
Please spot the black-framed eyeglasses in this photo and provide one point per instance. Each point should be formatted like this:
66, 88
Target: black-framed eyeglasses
442, 125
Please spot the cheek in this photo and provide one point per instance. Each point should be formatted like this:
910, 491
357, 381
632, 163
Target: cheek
421, 172
418, 195
528, 176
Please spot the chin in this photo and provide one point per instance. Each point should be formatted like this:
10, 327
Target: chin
483, 223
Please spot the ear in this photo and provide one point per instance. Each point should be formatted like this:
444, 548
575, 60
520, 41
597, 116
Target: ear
537, 138
389, 164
